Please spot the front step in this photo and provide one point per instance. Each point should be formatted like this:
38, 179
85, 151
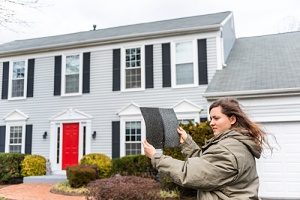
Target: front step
53, 178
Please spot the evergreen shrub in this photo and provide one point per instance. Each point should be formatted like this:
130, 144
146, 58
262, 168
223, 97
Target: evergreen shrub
10, 167
136, 165
80, 175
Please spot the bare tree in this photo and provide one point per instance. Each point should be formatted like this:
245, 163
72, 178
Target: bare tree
8, 11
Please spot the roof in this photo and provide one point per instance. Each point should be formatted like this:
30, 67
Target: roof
116, 34
262, 64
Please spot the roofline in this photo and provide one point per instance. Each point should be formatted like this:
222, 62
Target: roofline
111, 40
254, 93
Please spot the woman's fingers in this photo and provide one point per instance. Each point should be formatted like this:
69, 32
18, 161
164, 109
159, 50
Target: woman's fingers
182, 133
149, 150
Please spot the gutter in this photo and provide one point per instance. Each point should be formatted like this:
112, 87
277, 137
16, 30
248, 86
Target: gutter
109, 40
253, 93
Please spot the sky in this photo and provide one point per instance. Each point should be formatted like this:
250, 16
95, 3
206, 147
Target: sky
55, 17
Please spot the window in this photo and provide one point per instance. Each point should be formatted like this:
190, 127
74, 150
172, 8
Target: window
72, 78
133, 68
184, 67
133, 138
18, 79
15, 139
186, 121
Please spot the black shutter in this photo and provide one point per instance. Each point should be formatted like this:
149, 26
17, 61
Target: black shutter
202, 62
30, 78
2, 138
86, 72
166, 64
115, 139
149, 65
5, 75
57, 75
28, 139
116, 69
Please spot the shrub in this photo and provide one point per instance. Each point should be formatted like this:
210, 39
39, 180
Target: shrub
10, 167
137, 165
200, 132
81, 175
102, 161
124, 187
33, 165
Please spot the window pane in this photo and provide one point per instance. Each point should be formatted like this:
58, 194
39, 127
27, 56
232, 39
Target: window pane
133, 57
133, 78
18, 69
184, 52
72, 83
72, 64
184, 74
15, 148
17, 88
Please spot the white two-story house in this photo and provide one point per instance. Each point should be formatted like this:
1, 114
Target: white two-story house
69, 95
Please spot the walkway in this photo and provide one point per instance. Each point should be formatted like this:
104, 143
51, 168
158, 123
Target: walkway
33, 191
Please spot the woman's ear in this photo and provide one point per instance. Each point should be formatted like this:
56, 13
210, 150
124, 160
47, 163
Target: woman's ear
232, 119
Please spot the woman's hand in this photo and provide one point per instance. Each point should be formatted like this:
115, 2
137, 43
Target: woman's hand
149, 150
182, 134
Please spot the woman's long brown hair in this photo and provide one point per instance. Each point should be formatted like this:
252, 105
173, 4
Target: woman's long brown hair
231, 107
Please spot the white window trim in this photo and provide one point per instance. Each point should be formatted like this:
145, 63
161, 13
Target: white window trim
123, 68
195, 116
173, 63
7, 134
10, 80
123, 120
63, 76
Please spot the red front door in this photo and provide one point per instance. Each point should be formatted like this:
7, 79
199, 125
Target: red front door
70, 144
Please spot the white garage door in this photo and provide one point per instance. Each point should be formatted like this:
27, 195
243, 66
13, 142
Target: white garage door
280, 172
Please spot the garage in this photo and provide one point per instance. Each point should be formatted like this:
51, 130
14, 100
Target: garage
280, 172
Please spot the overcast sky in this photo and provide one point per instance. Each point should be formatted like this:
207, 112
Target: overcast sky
55, 17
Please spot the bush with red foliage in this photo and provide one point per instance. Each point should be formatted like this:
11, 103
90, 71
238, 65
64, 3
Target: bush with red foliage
124, 187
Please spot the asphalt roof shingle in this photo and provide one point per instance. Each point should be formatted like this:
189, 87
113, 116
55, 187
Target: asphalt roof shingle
117, 32
260, 63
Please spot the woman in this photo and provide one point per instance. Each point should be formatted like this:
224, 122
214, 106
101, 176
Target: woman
225, 167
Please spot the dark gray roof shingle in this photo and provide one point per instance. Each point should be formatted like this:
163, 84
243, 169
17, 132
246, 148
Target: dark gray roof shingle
260, 63
200, 21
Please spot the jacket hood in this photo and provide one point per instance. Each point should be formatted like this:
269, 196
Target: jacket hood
243, 137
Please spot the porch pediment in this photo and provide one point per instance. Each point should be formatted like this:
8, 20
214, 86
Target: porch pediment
15, 115
131, 109
186, 106
71, 114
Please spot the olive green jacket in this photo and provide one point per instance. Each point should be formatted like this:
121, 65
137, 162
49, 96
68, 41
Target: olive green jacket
224, 168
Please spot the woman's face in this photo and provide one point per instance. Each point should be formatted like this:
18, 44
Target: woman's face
219, 121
